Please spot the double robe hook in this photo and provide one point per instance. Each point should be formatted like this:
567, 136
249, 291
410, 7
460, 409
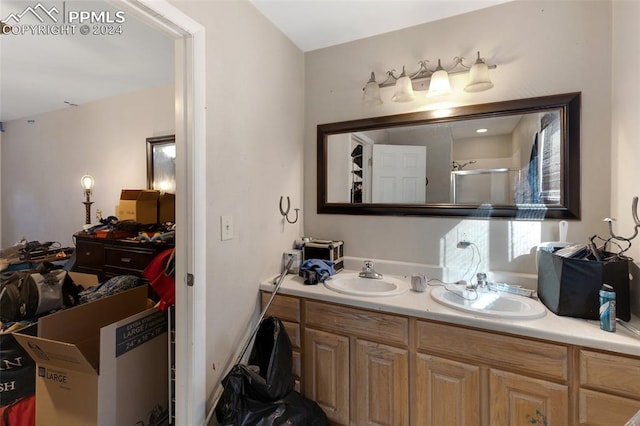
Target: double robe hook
613, 237
285, 212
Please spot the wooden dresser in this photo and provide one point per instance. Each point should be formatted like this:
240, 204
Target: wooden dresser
109, 257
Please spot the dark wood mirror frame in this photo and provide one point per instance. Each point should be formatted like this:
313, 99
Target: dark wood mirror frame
570, 110
152, 168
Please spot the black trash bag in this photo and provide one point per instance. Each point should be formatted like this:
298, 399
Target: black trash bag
272, 356
261, 393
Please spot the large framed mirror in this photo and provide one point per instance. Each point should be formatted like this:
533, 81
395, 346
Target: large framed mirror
512, 159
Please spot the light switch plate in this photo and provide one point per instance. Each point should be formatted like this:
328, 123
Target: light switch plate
226, 228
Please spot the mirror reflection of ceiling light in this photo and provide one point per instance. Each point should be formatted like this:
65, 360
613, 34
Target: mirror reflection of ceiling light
438, 78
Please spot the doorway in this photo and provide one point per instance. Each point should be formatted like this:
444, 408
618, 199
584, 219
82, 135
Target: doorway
190, 338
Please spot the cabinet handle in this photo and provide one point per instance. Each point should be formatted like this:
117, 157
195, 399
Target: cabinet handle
126, 259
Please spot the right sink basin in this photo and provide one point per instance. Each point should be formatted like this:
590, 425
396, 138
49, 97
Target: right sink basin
490, 303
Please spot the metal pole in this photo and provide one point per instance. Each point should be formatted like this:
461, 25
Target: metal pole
253, 333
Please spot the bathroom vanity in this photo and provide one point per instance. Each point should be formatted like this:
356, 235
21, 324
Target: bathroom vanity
407, 360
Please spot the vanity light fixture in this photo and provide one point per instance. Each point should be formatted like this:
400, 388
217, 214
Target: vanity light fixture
434, 81
404, 89
482, 130
371, 94
479, 80
439, 84
87, 182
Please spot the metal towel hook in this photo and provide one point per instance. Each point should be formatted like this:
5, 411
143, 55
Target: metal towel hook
615, 239
634, 213
285, 212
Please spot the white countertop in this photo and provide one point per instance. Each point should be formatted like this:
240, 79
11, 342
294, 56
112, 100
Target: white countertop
552, 327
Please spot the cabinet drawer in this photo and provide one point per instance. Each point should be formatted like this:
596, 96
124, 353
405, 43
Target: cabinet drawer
89, 254
610, 373
134, 260
600, 409
287, 308
375, 326
524, 355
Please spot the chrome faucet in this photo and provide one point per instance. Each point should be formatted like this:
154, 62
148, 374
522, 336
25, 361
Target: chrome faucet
368, 271
481, 282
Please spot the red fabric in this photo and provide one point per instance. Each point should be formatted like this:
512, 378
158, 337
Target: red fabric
20, 413
161, 274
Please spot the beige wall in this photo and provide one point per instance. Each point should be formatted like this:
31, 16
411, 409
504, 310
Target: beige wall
625, 137
42, 162
541, 48
255, 128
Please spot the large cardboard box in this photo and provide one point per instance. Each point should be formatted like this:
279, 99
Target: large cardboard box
102, 363
140, 205
167, 208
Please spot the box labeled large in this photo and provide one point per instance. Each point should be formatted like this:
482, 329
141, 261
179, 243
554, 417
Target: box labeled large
102, 363
140, 205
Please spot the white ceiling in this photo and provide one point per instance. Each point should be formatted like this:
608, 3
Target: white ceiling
314, 24
39, 73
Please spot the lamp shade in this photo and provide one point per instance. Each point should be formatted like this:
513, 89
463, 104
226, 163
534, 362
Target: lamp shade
87, 182
479, 77
404, 89
371, 94
439, 84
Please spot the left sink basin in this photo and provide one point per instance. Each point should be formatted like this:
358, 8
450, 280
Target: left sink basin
351, 283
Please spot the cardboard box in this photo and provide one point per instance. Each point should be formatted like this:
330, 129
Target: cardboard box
167, 208
102, 363
83, 279
140, 205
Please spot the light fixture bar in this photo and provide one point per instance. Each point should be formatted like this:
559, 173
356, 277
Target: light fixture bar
421, 77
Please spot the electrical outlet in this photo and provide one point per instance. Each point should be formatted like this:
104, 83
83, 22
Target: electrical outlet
297, 260
463, 236
226, 228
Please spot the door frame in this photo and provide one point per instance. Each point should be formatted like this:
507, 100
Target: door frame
190, 131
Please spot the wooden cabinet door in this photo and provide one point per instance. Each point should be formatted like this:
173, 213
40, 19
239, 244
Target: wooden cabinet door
601, 409
381, 390
447, 393
516, 400
326, 373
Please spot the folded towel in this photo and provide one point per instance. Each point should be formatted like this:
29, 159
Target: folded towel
323, 268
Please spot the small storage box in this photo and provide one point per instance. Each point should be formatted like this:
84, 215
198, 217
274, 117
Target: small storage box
569, 287
326, 250
140, 205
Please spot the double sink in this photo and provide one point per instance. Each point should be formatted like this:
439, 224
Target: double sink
481, 302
